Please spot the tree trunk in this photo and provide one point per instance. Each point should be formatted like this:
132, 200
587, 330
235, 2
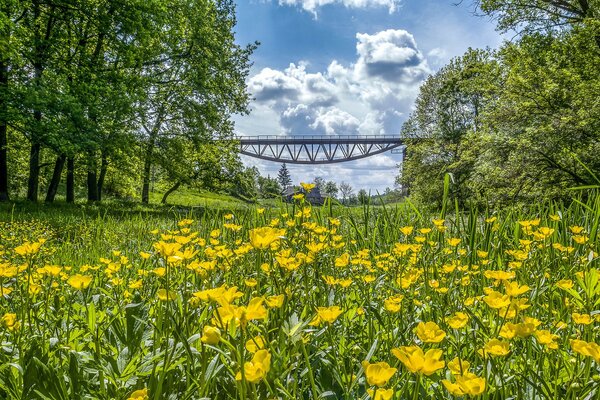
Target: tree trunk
92, 182
55, 181
70, 180
168, 192
147, 168
3, 132
103, 168
34, 169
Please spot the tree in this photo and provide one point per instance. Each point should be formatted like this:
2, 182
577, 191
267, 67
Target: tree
346, 191
331, 189
441, 132
197, 82
319, 183
546, 122
283, 177
534, 16
362, 196
268, 187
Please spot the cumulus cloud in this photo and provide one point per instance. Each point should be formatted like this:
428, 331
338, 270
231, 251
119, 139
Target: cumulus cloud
312, 5
371, 96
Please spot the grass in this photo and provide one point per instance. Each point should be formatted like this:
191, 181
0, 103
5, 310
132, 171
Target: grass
123, 301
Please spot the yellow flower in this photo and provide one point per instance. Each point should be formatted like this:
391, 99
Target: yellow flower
29, 249
307, 186
406, 230
275, 301
381, 394
547, 338
499, 275
342, 261
262, 238
378, 374
589, 349
416, 362
141, 394
458, 320
496, 300
576, 230
79, 281
583, 319
8, 271
458, 366
580, 239
167, 250
255, 309
466, 384
513, 289
565, 284
250, 282
211, 335
430, 332
496, 347
453, 241
163, 295
9, 321
326, 314
393, 304
145, 255
256, 369
255, 344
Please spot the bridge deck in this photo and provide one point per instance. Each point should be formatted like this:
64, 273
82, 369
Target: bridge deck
316, 149
349, 139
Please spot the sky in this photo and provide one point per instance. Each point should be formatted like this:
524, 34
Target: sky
347, 67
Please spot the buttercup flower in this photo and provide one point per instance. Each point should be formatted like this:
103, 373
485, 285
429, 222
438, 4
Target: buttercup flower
378, 374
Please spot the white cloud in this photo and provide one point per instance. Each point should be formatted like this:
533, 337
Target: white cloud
312, 5
371, 96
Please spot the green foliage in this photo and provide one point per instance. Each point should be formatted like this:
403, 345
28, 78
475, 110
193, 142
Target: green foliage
515, 125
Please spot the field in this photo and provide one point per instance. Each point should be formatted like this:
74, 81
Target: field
296, 302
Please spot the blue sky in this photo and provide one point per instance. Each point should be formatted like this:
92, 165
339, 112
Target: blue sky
327, 67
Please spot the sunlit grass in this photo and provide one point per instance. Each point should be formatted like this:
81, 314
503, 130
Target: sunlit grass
300, 302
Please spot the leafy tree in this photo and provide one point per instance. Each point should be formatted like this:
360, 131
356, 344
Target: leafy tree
283, 177
441, 133
319, 183
534, 16
269, 187
346, 191
197, 81
362, 196
543, 134
331, 189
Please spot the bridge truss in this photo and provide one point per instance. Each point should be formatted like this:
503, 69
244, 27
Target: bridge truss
316, 149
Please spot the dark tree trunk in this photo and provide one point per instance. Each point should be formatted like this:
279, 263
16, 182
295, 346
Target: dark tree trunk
4, 61
34, 170
3, 133
55, 181
103, 168
3, 164
147, 168
168, 192
70, 180
92, 182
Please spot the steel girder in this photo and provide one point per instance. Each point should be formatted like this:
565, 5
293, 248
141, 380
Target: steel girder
316, 149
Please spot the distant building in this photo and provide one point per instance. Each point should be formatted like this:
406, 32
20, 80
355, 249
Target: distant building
314, 197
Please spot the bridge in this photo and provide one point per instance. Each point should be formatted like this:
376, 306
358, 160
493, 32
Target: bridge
316, 149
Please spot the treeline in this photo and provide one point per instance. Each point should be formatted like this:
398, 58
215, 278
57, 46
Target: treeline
516, 124
116, 96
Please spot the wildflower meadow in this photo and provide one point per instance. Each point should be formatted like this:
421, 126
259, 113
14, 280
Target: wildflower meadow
303, 302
